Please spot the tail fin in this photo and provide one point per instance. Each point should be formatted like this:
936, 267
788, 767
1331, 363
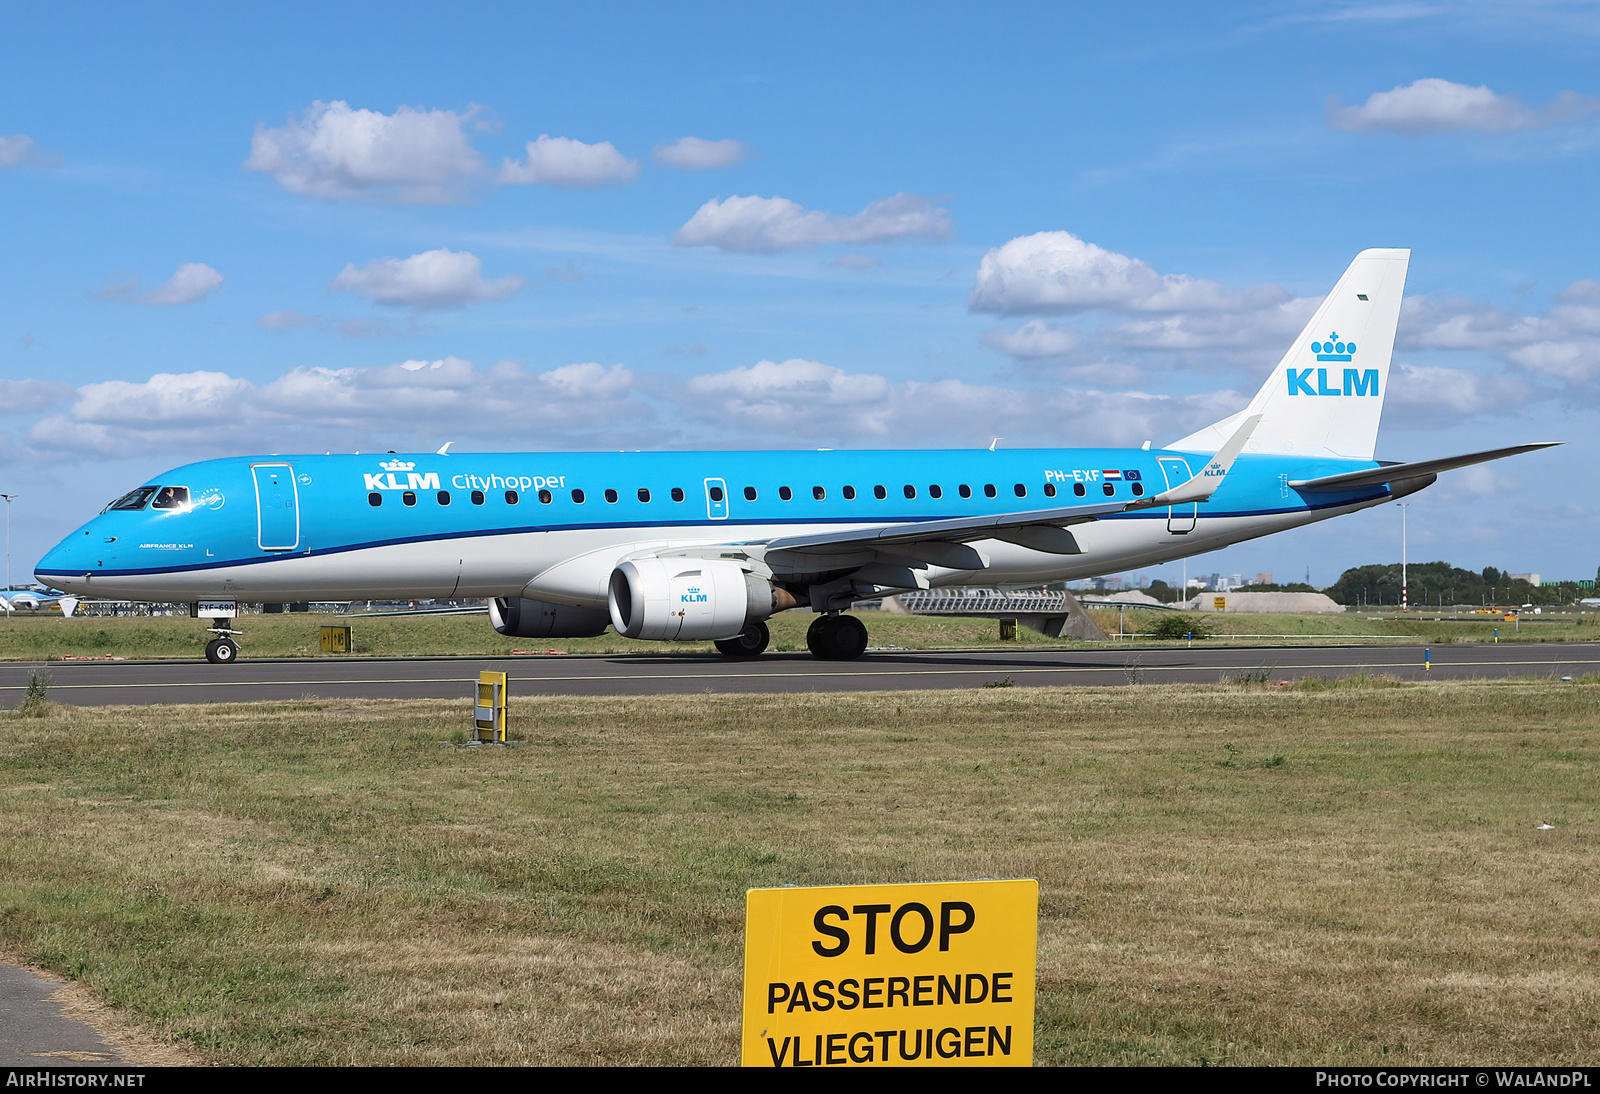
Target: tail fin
1326, 395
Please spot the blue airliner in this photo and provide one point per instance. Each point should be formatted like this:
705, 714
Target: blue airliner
709, 545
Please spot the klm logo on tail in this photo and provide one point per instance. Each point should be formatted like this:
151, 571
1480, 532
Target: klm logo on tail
1356, 381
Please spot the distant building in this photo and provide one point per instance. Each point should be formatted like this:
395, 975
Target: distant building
1531, 579
1262, 579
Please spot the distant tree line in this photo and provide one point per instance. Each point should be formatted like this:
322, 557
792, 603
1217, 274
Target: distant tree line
1442, 583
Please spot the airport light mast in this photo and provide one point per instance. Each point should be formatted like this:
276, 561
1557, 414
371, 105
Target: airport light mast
1404, 505
9, 499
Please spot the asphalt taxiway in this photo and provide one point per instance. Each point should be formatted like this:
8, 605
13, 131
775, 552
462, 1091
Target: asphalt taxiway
95, 683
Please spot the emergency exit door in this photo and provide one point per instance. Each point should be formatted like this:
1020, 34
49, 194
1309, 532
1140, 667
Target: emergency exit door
716, 499
277, 507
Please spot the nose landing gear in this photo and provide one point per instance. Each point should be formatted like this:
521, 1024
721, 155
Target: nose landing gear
222, 650
837, 637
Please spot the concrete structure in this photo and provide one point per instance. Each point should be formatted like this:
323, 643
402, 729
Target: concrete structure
1056, 614
1286, 603
1133, 598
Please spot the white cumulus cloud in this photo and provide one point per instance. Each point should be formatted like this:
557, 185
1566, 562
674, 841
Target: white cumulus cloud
562, 161
334, 152
1033, 340
1428, 396
1432, 105
1055, 273
1562, 343
191, 283
433, 279
165, 399
766, 225
407, 403
699, 154
31, 396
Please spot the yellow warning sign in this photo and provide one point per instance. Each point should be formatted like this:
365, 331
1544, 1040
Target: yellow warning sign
489, 717
1219, 603
891, 975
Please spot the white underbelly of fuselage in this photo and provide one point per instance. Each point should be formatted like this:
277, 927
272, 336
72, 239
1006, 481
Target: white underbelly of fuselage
573, 567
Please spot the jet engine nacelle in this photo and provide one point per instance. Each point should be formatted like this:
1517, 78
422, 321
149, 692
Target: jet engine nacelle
519, 618
689, 598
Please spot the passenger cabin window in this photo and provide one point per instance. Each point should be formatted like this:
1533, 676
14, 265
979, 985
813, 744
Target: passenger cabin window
1049, 489
409, 497
677, 493
511, 497
879, 492
1078, 489
545, 497
1110, 489
133, 499
444, 497
644, 495
910, 491
818, 493
577, 497
171, 497
715, 492
936, 491
964, 490
611, 496
1138, 489
477, 497
988, 490
785, 493
849, 493
374, 499
749, 493
1021, 490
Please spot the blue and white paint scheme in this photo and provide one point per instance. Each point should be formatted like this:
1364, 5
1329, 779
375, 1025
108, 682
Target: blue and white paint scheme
708, 545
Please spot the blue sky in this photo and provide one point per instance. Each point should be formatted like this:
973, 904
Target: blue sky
389, 226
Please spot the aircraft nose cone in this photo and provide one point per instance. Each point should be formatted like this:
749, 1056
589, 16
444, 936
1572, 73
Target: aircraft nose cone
64, 565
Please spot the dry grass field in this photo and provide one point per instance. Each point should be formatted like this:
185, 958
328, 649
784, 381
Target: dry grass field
1309, 873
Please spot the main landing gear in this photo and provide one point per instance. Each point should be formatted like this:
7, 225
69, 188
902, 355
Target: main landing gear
837, 637
831, 637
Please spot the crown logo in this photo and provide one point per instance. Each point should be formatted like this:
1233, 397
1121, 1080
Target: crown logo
402, 465
1333, 349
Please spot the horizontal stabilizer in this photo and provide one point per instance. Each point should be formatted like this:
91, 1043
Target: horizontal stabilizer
1376, 476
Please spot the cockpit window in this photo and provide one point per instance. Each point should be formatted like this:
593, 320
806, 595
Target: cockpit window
133, 499
171, 497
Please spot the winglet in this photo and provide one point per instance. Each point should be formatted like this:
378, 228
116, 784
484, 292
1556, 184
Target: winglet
1202, 486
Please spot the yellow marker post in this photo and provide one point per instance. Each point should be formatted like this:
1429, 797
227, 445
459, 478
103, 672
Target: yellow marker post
938, 974
489, 719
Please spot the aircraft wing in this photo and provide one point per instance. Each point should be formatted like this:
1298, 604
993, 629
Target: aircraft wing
1041, 529
1351, 480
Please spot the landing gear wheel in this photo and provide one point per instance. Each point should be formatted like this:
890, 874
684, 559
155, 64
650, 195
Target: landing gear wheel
837, 638
747, 643
222, 651
818, 636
